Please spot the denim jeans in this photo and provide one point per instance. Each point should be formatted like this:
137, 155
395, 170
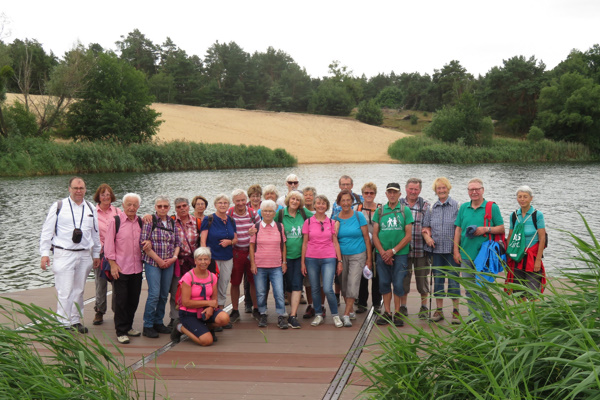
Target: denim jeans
392, 275
293, 275
261, 279
326, 267
475, 306
159, 283
445, 260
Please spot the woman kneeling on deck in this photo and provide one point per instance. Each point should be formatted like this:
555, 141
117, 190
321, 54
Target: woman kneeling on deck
199, 313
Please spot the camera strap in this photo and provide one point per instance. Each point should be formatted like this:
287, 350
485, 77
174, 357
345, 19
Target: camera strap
73, 215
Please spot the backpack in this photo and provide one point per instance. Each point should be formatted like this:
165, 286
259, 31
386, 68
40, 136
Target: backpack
178, 302
381, 214
230, 213
59, 206
500, 238
279, 228
361, 207
156, 225
534, 220
105, 264
337, 217
516, 243
300, 210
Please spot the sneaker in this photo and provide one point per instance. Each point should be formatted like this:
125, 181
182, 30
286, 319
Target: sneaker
175, 334
248, 309
282, 322
234, 316
80, 328
255, 314
352, 315
98, 319
150, 332
384, 319
455, 317
262, 322
218, 329
123, 339
398, 319
134, 333
423, 312
214, 336
404, 311
317, 321
361, 309
438, 315
302, 299
160, 328
346, 321
309, 313
228, 326
337, 321
293, 322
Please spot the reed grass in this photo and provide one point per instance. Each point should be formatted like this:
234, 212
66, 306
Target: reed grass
545, 348
36, 156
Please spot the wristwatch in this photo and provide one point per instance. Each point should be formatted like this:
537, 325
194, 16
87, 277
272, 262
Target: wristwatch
393, 250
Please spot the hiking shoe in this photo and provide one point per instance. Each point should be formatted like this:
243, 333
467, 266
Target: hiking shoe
404, 311
98, 319
423, 312
361, 309
214, 336
282, 322
134, 333
262, 321
455, 317
123, 339
255, 314
302, 299
352, 315
150, 332
309, 313
384, 319
218, 329
175, 334
317, 321
228, 326
438, 315
160, 328
337, 321
248, 309
398, 320
346, 321
234, 316
293, 322
80, 328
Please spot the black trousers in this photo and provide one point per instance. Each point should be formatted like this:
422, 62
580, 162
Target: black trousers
363, 293
126, 292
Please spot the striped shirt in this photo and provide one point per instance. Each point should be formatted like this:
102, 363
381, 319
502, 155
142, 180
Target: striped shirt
418, 212
243, 223
440, 218
164, 239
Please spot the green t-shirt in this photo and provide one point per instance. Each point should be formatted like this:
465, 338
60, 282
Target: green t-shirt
293, 231
391, 227
468, 216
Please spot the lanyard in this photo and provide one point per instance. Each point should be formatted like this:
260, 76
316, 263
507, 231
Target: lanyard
73, 215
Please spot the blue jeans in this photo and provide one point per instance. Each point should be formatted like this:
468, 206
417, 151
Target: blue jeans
326, 267
159, 283
392, 275
293, 275
475, 306
275, 275
445, 260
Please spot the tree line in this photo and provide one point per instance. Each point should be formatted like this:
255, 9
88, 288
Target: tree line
116, 87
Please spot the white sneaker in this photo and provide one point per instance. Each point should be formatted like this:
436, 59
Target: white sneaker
346, 320
123, 339
352, 315
317, 321
134, 333
338, 322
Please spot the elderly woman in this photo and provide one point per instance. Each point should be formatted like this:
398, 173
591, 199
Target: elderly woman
254, 196
355, 246
438, 233
218, 231
292, 217
199, 204
104, 197
309, 193
321, 258
198, 311
159, 260
267, 260
527, 267
270, 193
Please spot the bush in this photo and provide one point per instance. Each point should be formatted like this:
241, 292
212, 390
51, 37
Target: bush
535, 134
369, 113
414, 119
19, 120
331, 98
390, 97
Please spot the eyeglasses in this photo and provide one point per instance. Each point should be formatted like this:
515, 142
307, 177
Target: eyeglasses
293, 182
181, 206
162, 206
368, 193
475, 189
78, 189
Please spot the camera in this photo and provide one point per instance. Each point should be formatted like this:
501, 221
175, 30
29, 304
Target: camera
77, 235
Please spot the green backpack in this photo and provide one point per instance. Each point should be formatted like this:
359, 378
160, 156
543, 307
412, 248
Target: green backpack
516, 248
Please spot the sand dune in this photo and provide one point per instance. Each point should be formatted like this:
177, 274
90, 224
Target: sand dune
311, 138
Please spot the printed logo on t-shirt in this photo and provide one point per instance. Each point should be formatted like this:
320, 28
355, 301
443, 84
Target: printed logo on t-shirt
392, 224
295, 232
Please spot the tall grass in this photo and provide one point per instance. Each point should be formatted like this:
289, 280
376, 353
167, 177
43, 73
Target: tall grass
422, 149
35, 156
44, 361
542, 349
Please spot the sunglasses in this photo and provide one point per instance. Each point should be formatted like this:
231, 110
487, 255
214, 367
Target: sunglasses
322, 227
368, 192
293, 182
181, 206
162, 206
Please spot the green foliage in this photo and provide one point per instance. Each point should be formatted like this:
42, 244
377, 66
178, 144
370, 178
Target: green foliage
535, 350
390, 97
277, 100
35, 156
423, 149
31, 64
448, 85
331, 98
535, 134
41, 360
115, 106
370, 113
20, 121
414, 120
139, 52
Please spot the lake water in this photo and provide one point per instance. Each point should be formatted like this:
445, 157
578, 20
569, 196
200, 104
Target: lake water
560, 191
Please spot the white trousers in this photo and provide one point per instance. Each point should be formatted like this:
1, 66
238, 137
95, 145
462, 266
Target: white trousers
71, 269
225, 268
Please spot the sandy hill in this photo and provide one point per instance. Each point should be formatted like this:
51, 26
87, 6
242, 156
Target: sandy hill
311, 138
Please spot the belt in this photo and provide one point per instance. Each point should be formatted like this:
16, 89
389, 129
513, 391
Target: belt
62, 248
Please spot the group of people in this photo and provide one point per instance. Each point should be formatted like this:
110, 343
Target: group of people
289, 243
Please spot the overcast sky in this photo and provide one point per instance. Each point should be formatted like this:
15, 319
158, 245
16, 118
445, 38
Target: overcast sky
367, 36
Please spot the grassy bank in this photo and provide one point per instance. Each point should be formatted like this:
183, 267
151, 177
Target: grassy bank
422, 149
34, 156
